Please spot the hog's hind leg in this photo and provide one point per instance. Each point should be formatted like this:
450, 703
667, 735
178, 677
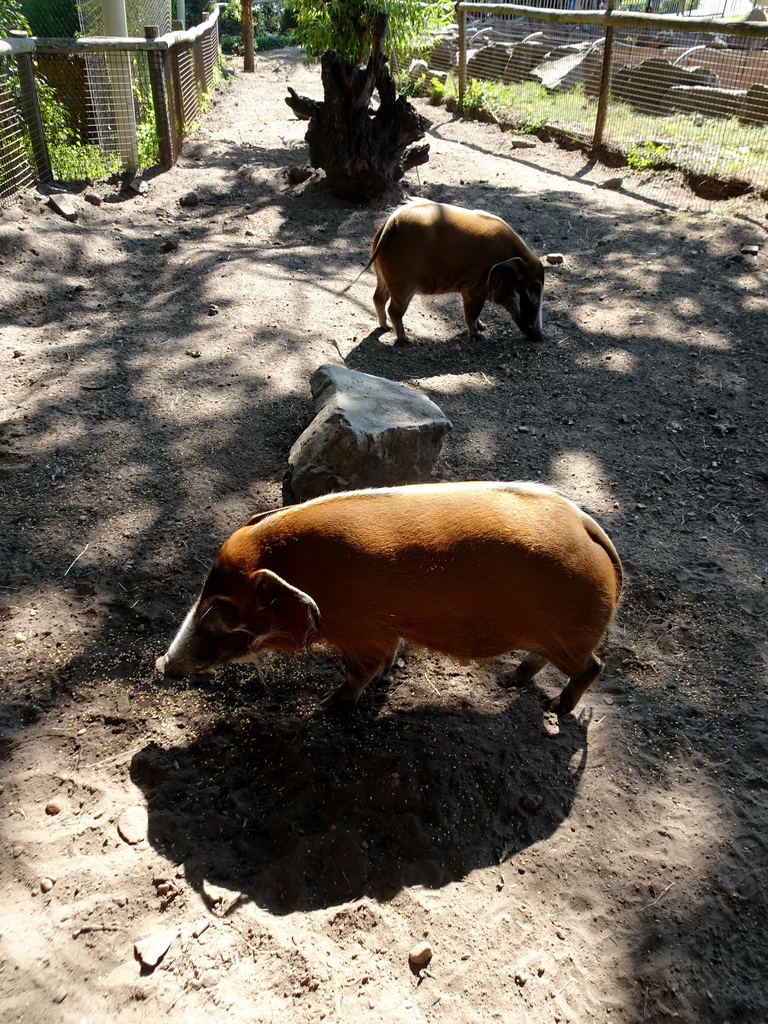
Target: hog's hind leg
380, 297
577, 686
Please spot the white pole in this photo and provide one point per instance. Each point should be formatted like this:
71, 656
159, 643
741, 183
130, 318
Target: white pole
119, 64
181, 12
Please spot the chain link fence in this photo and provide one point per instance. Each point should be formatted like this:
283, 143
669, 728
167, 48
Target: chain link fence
672, 91
87, 107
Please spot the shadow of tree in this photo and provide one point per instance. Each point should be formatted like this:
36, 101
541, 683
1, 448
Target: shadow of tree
126, 458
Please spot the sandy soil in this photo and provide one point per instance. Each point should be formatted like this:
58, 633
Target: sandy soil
611, 869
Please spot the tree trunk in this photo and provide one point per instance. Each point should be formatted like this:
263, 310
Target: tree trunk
362, 150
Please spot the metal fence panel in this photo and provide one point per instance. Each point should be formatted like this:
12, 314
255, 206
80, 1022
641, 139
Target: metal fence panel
671, 91
16, 172
105, 106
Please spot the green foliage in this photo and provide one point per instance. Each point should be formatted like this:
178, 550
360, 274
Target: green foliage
270, 41
12, 17
71, 158
347, 26
51, 19
647, 154
439, 91
522, 105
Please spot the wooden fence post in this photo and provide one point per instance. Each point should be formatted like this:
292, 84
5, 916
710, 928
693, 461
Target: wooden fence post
31, 111
462, 55
156, 62
246, 20
605, 83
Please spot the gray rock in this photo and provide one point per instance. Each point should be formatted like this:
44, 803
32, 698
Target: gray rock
421, 954
368, 432
417, 69
150, 951
610, 183
61, 203
132, 825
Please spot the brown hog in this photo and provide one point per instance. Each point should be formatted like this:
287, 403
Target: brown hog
431, 248
471, 570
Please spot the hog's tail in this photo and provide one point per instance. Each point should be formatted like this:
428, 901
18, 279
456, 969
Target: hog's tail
378, 240
596, 533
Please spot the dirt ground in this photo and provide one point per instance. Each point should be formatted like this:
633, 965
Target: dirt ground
283, 862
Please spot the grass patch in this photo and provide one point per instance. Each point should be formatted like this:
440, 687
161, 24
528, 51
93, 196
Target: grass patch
715, 147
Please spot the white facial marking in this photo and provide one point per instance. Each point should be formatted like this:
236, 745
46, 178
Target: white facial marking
182, 638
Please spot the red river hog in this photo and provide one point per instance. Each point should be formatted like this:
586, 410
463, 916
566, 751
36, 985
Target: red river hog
470, 570
431, 248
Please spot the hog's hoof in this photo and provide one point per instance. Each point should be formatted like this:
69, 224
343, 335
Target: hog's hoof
559, 707
514, 680
341, 698
405, 340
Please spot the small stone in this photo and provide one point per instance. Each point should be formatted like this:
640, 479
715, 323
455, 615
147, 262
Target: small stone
540, 971
59, 995
611, 183
61, 203
749, 250
298, 175
520, 979
193, 353
132, 825
249, 233
54, 807
560, 934
47, 884
532, 803
608, 700
152, 950
421, 954
555, 258
191, 199
210, 978
17, 851
93, 199
169, 245
213, 309
522, 144
138, 186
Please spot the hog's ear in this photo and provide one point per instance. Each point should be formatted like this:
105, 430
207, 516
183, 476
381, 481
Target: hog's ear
271, 591
504, 277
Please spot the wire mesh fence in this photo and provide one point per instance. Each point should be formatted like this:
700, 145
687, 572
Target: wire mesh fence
102, 105
661, 91
16, 170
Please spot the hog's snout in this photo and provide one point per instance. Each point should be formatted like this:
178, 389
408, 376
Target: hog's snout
160, 664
